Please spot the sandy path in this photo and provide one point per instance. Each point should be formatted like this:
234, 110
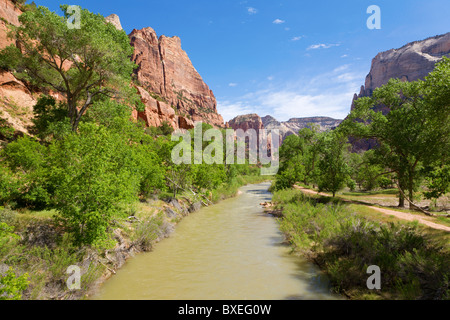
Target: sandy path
398, 214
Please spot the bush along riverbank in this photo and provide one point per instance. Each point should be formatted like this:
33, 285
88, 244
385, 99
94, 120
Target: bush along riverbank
414, 264
36, 251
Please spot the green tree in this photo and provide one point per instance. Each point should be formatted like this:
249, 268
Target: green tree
299, 156
415, 133
81, 64
94, 174
334, 171
26, 158
50, 118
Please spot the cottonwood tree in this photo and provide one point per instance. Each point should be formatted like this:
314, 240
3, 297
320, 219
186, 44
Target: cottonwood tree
334, 170
414, 135
82, 64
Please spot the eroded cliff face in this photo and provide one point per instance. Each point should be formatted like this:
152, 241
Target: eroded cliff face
411, 62
286, 128
166, 73
246, 122
170, 87
293, 126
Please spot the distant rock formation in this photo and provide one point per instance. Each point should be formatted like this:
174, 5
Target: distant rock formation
287, 128
167, 74
293, 126
411, 62
246, 122
115, 21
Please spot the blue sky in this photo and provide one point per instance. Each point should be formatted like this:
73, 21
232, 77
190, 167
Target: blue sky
288, 58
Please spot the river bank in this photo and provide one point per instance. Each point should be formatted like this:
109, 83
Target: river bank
223, 252
41, 250
344, 240
156, 220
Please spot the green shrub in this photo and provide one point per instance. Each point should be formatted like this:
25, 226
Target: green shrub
12, 286
344, 244
145, 233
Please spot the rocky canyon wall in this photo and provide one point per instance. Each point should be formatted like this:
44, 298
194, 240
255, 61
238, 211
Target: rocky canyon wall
166, 73
169, 85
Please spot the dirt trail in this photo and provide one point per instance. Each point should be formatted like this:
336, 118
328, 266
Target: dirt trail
398, 214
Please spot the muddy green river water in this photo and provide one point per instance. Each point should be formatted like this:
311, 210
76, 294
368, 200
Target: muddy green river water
229, 251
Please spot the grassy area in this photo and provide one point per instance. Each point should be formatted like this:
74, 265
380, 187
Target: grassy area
388, 198
344, 239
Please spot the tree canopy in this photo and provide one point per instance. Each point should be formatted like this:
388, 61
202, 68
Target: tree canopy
83, 64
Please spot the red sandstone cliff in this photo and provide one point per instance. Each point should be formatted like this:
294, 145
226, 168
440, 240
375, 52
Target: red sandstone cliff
170, 87
16, 101
166, 73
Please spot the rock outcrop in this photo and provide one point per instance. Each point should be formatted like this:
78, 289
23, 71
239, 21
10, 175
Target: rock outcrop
287, 128
246, 122
9, 14
294, 125
170, 87
167, 74
115, 21
411, 62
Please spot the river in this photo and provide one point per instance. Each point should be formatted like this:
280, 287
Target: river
229, 251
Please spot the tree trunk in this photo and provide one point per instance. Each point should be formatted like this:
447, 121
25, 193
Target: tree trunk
401, 202
401, 198
411, 190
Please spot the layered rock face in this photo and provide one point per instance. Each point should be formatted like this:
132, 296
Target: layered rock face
246, 122
287, 128
293, 126
171, 89
409, 63
167, 74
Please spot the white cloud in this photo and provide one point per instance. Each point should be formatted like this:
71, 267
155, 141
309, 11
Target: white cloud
232, 84
288, 104
278, 21
328, 94
344, 56
297, 38
322, 46
229, 110
341, 68
270, 78
251, 10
